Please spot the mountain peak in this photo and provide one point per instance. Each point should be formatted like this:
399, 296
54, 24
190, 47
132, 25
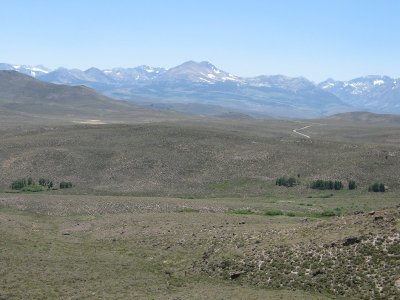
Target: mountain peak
200, 72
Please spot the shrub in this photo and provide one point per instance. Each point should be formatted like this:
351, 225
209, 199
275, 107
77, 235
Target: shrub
43, 181
352, 185
326, 185
377, 187
18, 184
327, 213
65, 185
32, 188
288, 182
291, 214
338, 185
273, 213
30, 181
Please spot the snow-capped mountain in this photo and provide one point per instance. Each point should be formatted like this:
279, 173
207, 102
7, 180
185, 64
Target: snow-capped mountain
200, 87
202, 72
33, 71
372, 93
282, 82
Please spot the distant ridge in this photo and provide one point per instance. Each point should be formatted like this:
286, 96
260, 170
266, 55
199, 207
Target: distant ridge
23, 95
366, 117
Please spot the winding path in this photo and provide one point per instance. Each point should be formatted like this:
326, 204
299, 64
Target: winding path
305, 127
302, 134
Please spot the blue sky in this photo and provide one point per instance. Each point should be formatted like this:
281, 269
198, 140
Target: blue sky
317, 39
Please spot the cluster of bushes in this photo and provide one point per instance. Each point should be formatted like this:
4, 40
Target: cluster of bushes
46, 183
326, 185
285, 181
19, 184
377, 187
29, 184
65, 185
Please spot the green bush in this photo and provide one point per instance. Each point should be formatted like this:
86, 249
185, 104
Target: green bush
291, 214
327, 213
377, 187
32, 188
288, 182
18, 184
338, 185
326, 185
65, 185
273, 213
44, 181
352, 185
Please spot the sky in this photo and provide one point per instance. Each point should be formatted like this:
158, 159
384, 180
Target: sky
317, 39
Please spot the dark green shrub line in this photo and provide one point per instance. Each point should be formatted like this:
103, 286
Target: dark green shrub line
326, 185
46, 182
285, 181
29, 185
65, 185
377, 187
273, 213
352, 185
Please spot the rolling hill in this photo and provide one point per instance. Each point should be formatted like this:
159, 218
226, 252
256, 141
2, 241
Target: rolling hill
26, 97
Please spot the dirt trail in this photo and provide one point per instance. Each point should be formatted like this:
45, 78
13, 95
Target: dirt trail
305, 127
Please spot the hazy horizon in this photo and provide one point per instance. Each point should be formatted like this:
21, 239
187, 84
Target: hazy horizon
340, 40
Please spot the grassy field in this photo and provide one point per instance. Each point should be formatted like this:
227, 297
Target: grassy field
70, 246
190, 210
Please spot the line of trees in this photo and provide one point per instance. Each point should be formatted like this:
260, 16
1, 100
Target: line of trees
24, 183
377, 187
328, 184
65, 185
286, 181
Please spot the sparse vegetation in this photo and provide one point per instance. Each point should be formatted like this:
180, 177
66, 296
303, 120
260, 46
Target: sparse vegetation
271, 212
240, 224
243, 211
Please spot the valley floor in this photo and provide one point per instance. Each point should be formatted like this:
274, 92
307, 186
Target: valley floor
114, 247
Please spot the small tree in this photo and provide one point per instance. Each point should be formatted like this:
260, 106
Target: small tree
18, 184
352, 185
65, 185
43, 181
338, 185
288, 182
30, 181
377, 187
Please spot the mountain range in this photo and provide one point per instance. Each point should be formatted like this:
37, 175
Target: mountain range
202, 88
